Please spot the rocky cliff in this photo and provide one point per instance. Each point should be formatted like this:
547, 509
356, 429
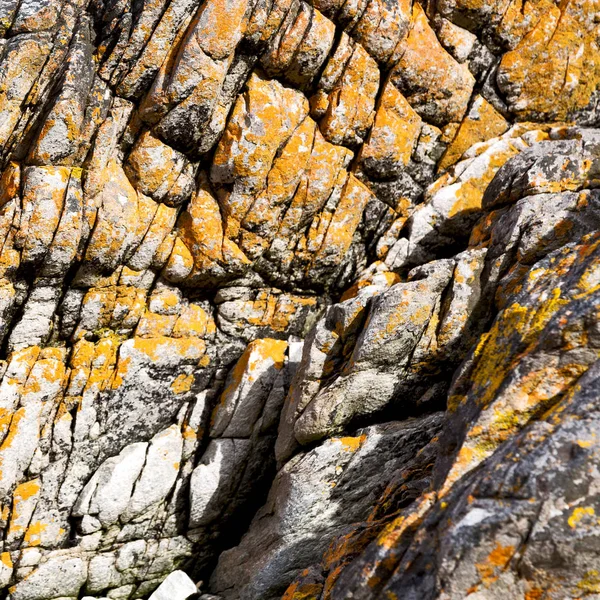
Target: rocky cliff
301, 298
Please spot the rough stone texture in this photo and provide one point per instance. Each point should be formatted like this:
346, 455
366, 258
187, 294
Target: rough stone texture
299, 299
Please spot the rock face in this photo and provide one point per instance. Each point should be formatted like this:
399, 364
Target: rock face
299, 299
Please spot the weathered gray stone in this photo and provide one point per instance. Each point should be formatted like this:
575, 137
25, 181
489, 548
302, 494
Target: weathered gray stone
233, 229
313, 496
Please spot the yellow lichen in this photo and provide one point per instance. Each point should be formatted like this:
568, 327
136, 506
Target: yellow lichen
579, 514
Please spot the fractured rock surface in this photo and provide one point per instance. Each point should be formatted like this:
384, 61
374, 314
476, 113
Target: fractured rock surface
299, 299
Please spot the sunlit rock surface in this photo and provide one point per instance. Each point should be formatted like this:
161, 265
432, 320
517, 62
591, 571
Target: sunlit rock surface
299, 300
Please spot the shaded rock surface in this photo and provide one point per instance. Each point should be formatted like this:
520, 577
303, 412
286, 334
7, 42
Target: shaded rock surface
299, 299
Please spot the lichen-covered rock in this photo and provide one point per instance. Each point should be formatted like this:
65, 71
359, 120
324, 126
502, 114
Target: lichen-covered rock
479, 525
438, 86
370, 352
250, 252
311, 499
393, 136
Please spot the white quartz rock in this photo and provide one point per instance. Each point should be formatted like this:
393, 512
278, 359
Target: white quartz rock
159, 473
108, 492
177, 586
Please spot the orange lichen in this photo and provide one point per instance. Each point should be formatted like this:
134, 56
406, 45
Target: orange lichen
498, 559
555, 68
351, 102
352, 444
34, 533
432, 77
6, 560
302, 591
482, 123
394, 133
10, 182
340, 226
534, 593
182, 383
189, 433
